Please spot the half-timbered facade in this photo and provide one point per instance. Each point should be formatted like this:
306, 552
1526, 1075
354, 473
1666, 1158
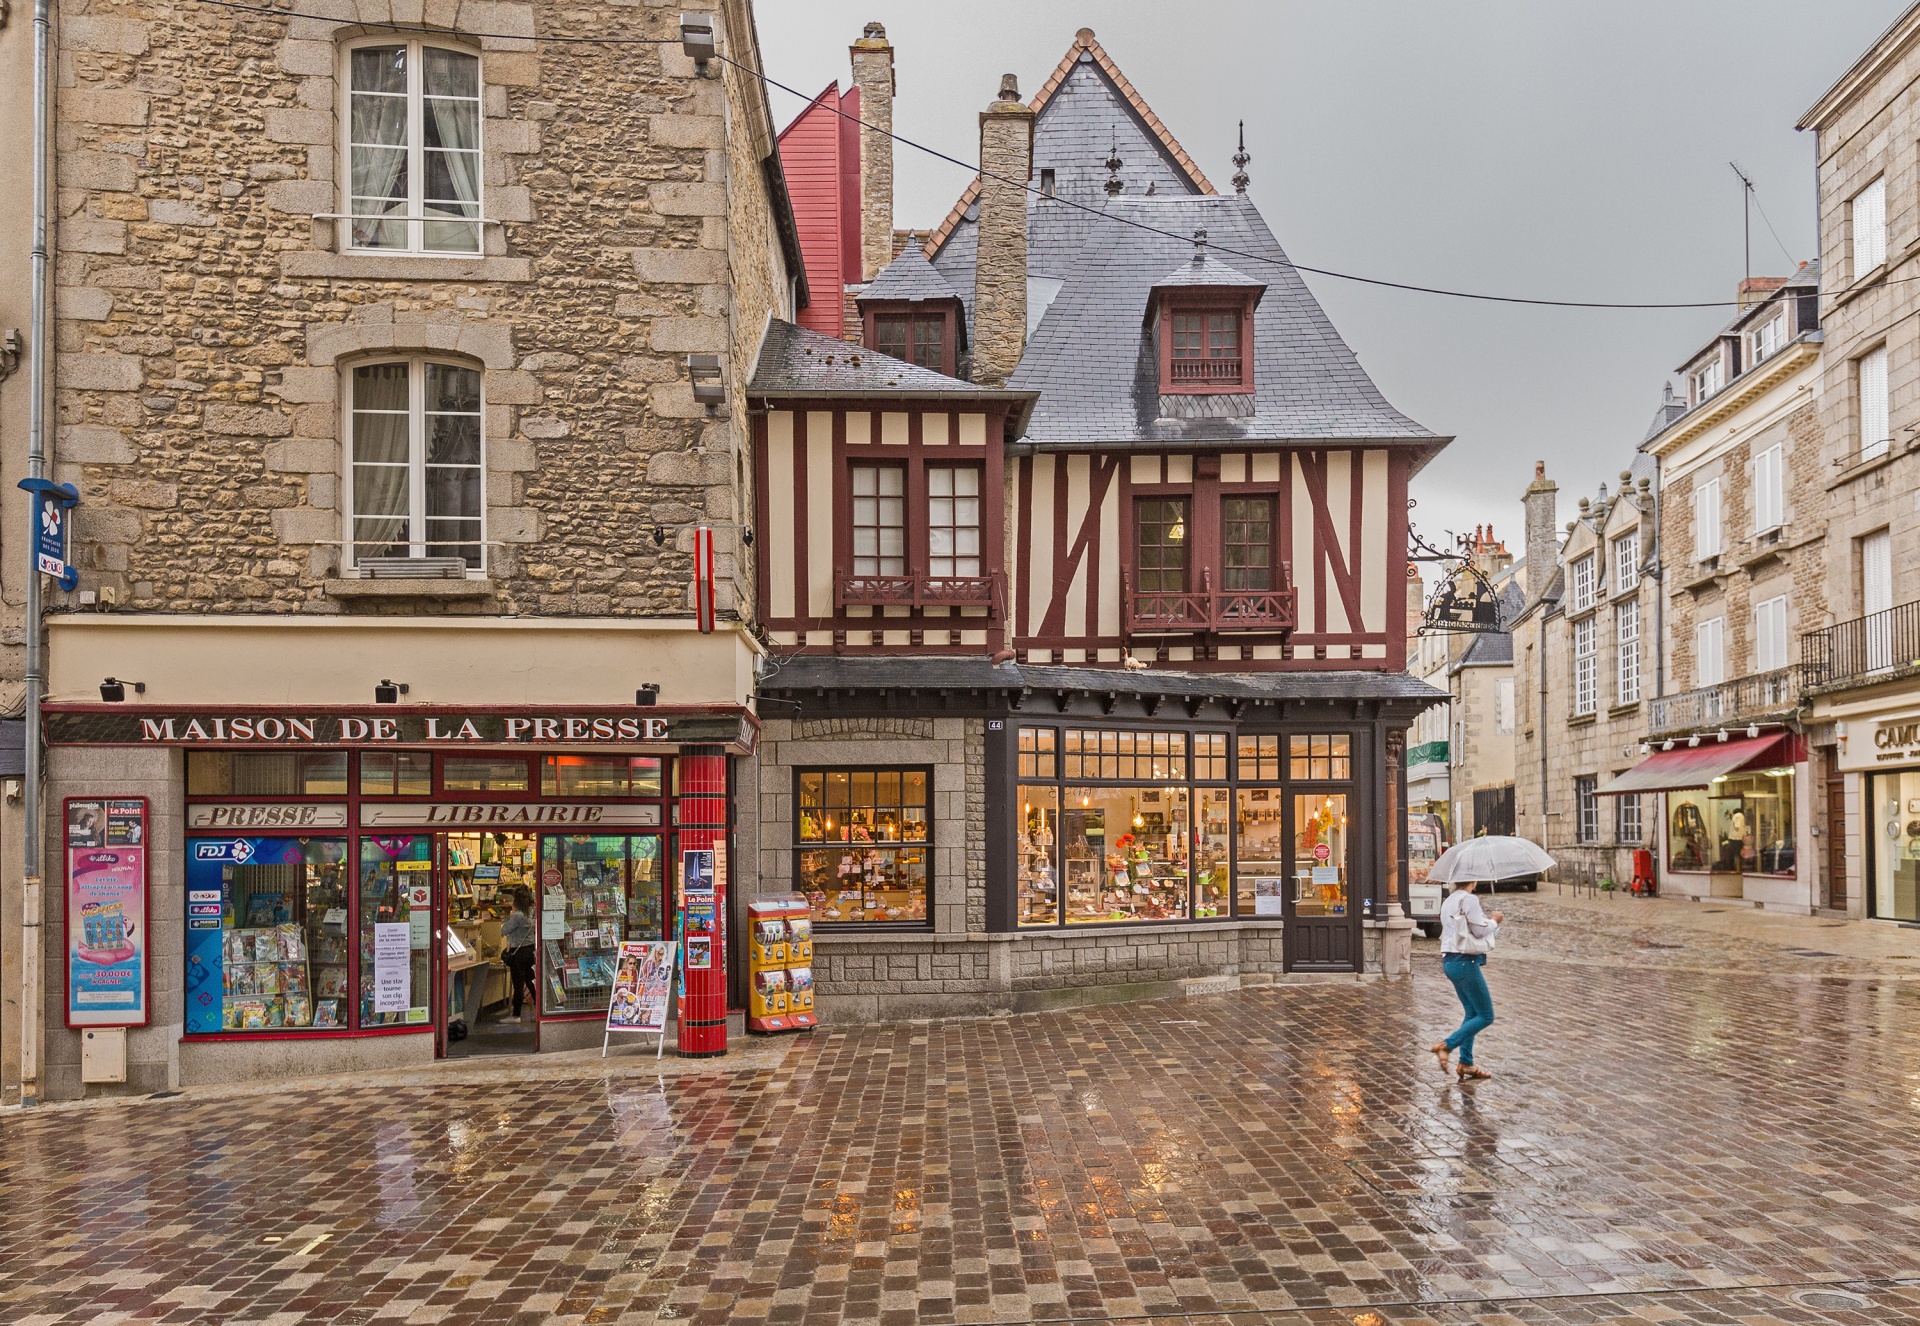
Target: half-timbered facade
1087, 610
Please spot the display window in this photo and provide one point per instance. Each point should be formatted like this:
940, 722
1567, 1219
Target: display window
600, 775
403, 773
1319, 855
1895, 850
1123, 852
595, 891
1741, 823
263, 773
866, 846
1213, 851
1260, 824
1039, 882
267, 942
396, 929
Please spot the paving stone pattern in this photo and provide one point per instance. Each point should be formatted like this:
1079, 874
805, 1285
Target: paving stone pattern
1657, 1146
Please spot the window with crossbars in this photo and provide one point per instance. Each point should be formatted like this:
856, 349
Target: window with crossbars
1587, 809
1205, 349
1246, 543
1162, 528
1586, 689
953, 521
879, 520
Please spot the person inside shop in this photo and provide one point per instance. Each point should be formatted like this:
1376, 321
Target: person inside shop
516, 949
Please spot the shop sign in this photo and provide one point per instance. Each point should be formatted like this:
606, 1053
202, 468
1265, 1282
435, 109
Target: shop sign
244, 816
1896, 742
106, 909
466, 815
125, 725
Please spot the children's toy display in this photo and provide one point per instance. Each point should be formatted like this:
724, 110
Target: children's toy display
780, 964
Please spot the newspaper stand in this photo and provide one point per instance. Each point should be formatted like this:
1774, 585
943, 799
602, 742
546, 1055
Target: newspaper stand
780, 964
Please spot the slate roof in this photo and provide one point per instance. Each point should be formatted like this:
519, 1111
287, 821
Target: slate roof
958, 672
1096, 368
1671, 408
1203, 269
1496, 647
908, 277
796, 362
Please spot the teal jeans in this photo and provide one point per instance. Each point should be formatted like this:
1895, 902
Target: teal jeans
1470, 983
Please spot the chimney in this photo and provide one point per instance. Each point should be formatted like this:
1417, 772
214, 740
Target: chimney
873, 75
1000, 269
1543, 544
1754, 289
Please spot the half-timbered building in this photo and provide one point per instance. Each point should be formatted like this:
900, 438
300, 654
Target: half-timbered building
1083, 579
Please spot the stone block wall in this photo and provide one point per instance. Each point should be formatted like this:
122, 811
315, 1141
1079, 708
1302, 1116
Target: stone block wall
205, 317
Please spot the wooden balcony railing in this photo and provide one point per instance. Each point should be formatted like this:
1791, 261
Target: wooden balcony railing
1224, 372
1210, 611
1737, 702
916, 591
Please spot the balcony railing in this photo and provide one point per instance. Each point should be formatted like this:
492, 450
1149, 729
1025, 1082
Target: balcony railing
1207, 610
1865, 649
1740, 701
915, 591
1224, 372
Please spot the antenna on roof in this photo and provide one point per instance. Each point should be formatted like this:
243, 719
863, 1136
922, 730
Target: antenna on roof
1113, 185
1746, 215
1240, 160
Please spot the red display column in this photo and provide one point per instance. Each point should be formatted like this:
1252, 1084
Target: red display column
703, 797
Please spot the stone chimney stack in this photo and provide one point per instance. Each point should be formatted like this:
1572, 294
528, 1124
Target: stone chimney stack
1000, 270
1543, 544
873, 75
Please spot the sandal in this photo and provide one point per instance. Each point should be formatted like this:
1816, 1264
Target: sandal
1442, 1053
1473, 1073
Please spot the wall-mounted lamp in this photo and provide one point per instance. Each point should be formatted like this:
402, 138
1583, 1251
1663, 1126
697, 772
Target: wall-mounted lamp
1693, 740
113, 690
1753, 729
649, 694
1667, 744
1723, 734
709, 389
696, 39
1645, 747
389, 692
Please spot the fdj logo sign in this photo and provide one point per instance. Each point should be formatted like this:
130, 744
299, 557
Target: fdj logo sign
237, 851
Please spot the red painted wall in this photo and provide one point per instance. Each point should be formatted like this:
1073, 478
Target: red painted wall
814, 152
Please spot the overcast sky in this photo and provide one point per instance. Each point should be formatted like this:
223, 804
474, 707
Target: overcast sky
1544, 149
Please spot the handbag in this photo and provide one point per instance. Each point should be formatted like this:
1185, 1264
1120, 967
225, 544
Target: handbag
1469, 944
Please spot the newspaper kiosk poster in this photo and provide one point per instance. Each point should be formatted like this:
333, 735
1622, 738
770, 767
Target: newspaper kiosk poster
642, 986
106, 912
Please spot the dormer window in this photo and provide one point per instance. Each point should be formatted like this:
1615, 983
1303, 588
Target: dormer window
1202, 320
1770, 337
1706, 380
919, 338
1206, 347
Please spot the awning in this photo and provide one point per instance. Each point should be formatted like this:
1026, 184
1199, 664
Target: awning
1698, 766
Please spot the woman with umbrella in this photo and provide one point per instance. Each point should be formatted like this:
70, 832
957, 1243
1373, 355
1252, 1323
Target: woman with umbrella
1467, 934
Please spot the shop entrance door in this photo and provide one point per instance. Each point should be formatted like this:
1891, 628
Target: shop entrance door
1836, 832
486, 912
1322, 931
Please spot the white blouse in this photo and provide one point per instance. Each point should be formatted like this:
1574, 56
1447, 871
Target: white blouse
1462, 908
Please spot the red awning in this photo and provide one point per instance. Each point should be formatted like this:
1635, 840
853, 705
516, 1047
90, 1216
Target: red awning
1698, 766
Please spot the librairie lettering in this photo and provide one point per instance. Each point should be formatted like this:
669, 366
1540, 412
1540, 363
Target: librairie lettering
349, 729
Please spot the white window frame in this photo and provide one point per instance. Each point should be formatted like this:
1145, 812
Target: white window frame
1706, 520
1585, 583
416, 218
1769, 489
1770, 639
1586, 668
1626, 650
1770, 337
417, 515
1868, 212
947, 519
1626, 561
1709, 652
1870, 382
1707, 381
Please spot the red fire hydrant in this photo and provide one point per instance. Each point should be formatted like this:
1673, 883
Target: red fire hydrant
1643, 885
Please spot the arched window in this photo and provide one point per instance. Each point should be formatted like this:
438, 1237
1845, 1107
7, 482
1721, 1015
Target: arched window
416, 487
413, 148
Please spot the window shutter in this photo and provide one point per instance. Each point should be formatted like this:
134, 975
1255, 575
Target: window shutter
1706, 520
1768, 499
1872, 374
1869, 228
1876, 572
1709, 665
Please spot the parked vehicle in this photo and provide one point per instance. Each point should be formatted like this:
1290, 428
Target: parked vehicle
1426, 839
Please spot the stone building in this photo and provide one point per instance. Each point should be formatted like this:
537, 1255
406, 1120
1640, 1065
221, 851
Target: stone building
1741, 555
1861, 657
397, 364
1581, 646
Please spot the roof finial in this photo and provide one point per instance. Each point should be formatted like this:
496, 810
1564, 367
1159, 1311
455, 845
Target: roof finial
1113, 184
1240, 160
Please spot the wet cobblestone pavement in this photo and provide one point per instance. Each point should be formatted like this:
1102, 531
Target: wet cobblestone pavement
1658, 1145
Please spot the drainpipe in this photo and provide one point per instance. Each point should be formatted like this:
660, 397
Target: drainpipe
1658, 572
1544, 729
31, 953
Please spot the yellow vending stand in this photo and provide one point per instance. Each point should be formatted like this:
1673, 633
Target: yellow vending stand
780, 964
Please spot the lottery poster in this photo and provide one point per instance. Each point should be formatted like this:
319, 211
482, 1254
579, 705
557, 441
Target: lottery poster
106, 910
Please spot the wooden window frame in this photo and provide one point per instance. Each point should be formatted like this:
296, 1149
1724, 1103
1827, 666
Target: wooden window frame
1275, 576
803, 845
1188, 570
1201, 304
943, 311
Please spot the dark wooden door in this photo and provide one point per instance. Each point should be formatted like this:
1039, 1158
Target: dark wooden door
1322, 902
1836, 832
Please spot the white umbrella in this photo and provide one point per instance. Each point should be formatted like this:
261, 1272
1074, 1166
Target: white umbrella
1488, 859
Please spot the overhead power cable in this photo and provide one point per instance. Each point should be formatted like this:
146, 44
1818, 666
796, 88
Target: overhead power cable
1024, 187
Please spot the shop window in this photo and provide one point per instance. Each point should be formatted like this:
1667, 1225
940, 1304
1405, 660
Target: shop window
1123, 756
596, 891
396, 929
953, 521
1210, 757
879, 520
872, 861
417, 474
600, 776
1895, 894
266, 773
275, 956
1123, 853
1320, 855
1039, 877
1260, 758
1161, 561
1742, 823
413, 148
1213, 850
1262, 859
401, 773
1037, 756
1246, 544
1321, 757
484, 773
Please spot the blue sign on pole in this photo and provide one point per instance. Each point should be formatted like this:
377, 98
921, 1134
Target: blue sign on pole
52, 502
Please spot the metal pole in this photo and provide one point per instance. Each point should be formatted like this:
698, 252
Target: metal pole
32, 1015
